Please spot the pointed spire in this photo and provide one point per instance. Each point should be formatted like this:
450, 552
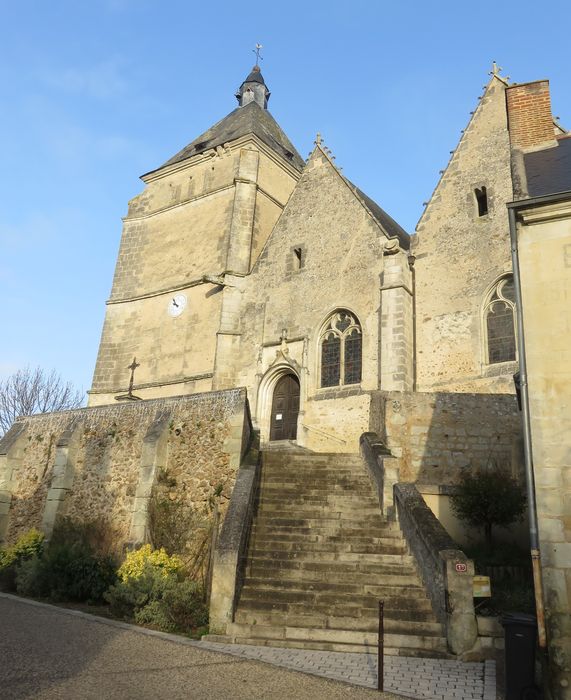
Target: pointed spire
253, 89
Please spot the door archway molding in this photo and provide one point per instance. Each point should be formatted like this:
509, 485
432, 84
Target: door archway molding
268, 383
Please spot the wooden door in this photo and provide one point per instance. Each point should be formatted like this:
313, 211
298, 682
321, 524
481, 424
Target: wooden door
285, 409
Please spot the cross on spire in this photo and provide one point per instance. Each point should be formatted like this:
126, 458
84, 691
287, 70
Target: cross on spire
496, 70
257, 50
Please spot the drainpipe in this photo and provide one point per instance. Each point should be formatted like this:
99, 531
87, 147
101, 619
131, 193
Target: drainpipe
527, 446
411, 261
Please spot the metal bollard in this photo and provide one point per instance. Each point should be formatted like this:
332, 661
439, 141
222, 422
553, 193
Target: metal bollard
381, 648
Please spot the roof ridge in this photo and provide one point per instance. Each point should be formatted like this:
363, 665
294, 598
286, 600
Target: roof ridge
250, 118
382, 219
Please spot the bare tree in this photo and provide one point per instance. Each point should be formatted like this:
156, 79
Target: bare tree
30, 391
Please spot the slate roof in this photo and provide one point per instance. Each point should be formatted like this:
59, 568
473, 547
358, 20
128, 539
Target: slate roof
386, 221
250, 119
255, 77
549, 171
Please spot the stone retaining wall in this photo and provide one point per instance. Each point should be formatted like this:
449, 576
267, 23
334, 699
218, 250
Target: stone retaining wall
436, 435
101, 462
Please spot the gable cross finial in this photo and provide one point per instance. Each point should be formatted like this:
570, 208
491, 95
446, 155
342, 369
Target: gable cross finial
496, 70
259, 58
318, 139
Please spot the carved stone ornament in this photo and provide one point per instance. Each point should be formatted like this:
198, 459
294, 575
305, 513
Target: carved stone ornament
391, 247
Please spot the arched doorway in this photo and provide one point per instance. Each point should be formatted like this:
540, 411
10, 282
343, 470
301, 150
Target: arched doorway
285, 408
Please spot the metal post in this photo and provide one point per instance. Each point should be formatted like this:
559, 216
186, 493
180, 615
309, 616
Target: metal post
381, 648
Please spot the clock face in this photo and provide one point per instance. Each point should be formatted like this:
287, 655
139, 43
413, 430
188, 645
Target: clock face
176, 305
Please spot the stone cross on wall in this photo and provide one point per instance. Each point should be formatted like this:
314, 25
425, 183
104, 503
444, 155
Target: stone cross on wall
129, 396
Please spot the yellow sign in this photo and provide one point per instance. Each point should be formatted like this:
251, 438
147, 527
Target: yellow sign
482, 587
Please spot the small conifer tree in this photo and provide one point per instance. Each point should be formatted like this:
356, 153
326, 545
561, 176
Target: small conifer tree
488, 499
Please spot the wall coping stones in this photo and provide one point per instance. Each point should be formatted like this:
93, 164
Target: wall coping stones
445, 570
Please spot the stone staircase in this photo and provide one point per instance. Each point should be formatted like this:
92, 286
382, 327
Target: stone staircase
320, 558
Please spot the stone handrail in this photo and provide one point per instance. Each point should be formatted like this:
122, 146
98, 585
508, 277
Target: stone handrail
446, 571
323, 432
232, 544
379, 461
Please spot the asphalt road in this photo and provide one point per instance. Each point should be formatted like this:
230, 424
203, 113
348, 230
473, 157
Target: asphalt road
46, 652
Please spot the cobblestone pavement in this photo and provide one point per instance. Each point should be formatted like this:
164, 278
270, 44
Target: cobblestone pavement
436, 679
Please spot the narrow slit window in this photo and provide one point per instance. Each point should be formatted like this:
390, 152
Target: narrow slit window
481, 200
298, 258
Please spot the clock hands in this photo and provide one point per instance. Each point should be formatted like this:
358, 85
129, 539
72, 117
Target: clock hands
174, 302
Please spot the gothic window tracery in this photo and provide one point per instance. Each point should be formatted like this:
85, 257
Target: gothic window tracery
340, 348
499, 322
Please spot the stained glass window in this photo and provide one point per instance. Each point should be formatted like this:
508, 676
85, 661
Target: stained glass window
500, 322
341, 349
330, 360
353, 357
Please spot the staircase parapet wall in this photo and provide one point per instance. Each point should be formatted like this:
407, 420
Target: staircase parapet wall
232, 546
383, 469
446, 571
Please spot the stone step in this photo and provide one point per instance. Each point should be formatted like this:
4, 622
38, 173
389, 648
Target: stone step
335, 640
296, 501
388, 537
360, 605
326, 534
380, 592
321, 617
348, 512
394, 578
259, 544
314, 480
326, 522
335, 558
291, 459
341, 572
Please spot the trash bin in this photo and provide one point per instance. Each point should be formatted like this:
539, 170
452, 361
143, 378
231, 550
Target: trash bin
520, 632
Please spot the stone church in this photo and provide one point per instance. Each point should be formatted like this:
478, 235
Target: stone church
263, 300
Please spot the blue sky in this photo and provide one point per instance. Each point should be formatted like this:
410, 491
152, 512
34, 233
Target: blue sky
96, 93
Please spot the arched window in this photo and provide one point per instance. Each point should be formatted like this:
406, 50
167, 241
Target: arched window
340, 347
499, 322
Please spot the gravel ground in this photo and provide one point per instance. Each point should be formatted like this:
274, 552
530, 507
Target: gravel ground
47, 652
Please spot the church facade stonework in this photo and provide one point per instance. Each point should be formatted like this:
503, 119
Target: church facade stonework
263, 293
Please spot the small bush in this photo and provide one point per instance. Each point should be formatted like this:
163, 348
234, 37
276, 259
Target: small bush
159, 599
68, 569
75, 573
29, 579
139, 560
29, 545
133, 593
172, 524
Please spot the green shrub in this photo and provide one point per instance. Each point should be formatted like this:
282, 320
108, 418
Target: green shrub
68, 569
488, 499
139, 560
162, 601
29, 545
75, 573
29, 579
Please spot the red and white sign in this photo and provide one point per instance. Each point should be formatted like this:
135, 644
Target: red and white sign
461, 568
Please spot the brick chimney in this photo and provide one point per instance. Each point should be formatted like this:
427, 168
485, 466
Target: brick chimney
530, 122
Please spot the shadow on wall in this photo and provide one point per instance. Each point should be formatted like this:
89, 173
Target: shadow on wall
435, 437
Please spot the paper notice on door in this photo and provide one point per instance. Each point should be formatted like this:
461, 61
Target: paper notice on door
279, 416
